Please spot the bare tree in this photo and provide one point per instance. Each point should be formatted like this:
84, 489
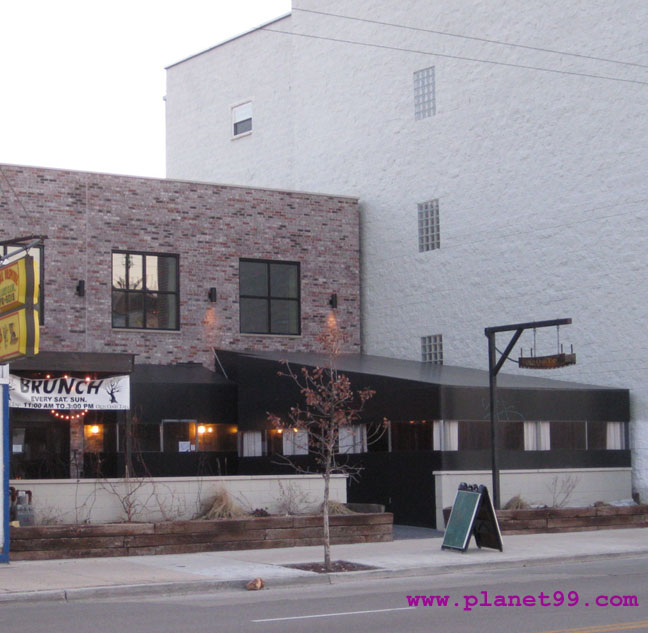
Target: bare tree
112, 389
329, 405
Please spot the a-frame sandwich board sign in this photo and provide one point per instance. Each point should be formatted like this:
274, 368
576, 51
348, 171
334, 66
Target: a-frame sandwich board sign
472, 514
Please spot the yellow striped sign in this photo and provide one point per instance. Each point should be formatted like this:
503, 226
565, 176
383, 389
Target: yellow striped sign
19, 285
19, 334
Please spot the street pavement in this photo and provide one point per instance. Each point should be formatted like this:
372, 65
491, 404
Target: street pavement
414, 552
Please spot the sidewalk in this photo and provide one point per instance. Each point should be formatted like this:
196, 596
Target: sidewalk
189, 573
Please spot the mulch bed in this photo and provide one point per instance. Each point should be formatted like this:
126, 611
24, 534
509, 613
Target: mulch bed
336, 566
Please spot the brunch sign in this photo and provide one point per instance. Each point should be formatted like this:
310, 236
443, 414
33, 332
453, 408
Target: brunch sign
69, 393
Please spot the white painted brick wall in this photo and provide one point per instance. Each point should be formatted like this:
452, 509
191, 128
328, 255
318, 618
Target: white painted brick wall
541, 176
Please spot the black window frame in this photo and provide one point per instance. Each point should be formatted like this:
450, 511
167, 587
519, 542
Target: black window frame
8, 247
143, 292
268, 297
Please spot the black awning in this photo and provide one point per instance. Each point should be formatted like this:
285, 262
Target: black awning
91, 362
415, 390
186, 391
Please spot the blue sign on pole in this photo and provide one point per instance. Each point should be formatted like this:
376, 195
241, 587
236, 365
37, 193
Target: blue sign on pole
4, 463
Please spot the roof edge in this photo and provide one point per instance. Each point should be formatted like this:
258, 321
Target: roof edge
188, 181
231, 39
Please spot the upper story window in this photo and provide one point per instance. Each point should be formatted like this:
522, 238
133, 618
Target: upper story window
145, 291
269, 297
242, 119
424, 101
432, 349
428, 226
37, 253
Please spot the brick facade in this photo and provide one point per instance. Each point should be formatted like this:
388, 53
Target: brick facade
86, 216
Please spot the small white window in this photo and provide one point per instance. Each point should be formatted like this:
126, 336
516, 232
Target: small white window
242, 118
615, 436
353, 439
295, 442
251, 444
446, 435
424, 101
428, 226
432, 349
537, 436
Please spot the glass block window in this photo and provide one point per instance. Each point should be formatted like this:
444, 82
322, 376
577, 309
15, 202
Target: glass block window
242, 118
432, 349
428, 225
424, 102
145, 291
269, 297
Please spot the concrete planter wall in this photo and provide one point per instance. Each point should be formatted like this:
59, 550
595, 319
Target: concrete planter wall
159, 499
136, 539
536, 486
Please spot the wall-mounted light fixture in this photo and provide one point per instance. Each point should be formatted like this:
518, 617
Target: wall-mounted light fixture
211, 295
333, 300
80, 288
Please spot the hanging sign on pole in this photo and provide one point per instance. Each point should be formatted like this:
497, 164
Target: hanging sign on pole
19, 284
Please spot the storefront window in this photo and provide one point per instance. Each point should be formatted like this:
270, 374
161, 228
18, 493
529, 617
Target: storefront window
412, 435
178, 436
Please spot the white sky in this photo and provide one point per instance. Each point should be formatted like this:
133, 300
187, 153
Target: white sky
82, 81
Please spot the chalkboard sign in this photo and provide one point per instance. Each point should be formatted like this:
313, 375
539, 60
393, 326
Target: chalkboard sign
472, 513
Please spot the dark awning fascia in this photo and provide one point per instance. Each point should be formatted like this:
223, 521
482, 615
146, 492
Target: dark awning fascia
416, 390
187, 391
92, 362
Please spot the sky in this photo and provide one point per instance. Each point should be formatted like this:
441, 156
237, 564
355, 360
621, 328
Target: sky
82, 82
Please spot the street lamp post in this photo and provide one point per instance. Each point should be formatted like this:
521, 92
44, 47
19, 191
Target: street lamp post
494, 367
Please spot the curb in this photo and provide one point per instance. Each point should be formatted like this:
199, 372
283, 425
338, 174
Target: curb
204, 586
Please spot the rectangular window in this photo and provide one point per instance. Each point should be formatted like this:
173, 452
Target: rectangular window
446, 435
412, 435
424, 102
145, 291
295, 442
178, 436
216, 437
475, 435
537, 436
567, 435
242, 118
37, 253
432, 349
428, 226
145, 437
606, 436
269, 297
353, 439
251, 444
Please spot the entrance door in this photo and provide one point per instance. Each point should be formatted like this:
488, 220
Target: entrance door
40, 446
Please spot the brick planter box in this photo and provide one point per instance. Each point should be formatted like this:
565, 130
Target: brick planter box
545, 520
178, 537
539, 520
